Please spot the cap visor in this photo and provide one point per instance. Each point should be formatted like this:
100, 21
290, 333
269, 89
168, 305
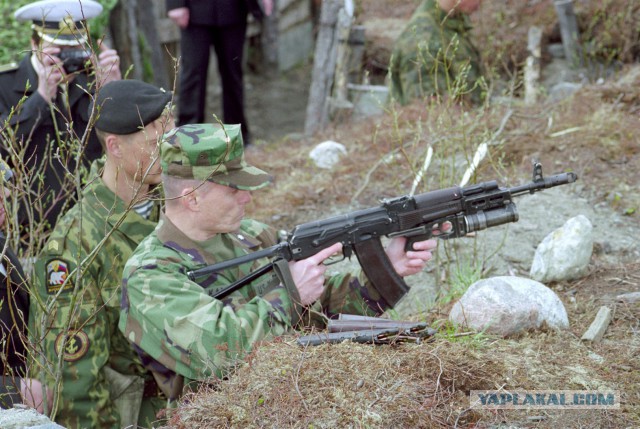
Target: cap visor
248, 178
64, 40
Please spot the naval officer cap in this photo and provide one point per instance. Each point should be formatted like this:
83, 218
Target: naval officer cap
127, 106
62, 22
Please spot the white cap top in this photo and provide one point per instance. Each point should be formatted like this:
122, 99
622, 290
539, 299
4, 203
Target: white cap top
60, 21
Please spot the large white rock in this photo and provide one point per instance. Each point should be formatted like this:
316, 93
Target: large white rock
565, 253
327, 154
509, 305
22, 417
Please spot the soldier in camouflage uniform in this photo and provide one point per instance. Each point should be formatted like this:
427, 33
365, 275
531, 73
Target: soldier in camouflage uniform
182, 332
434, 54
103, 383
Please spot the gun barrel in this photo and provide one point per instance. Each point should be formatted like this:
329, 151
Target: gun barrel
545, 183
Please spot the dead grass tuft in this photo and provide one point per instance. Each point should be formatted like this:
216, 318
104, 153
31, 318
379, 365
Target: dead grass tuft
422, 386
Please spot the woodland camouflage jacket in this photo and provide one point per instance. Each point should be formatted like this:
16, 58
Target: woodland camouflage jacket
89, 304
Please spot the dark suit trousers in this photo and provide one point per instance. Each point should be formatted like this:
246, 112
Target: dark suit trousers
228, 42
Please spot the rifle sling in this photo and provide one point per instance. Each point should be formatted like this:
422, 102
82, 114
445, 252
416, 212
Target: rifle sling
380, 272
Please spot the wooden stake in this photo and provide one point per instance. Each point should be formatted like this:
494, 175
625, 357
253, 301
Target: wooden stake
598, 326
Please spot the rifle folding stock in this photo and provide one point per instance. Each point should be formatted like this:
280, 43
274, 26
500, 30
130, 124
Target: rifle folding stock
467, 209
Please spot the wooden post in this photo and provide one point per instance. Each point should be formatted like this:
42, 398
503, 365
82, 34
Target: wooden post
130, 22
269, 38
130, 7
569, 31
532, 67
324, 63
169, 39
341, 74
356, 47
598, 326
153, 52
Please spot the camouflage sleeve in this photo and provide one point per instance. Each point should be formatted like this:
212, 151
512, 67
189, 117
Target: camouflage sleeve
174, 321
78, 326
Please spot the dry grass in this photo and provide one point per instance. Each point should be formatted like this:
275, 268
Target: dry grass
427, 385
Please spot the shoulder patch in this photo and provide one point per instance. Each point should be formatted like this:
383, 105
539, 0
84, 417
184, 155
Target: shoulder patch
57, 274
8, 67
53, 246
76, 346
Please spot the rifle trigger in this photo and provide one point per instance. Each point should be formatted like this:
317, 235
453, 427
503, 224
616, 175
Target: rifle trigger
334, 259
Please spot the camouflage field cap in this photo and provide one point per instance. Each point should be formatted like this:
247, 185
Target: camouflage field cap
209, 152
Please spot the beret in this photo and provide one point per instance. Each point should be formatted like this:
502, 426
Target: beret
210, 152
60, 21
127, 106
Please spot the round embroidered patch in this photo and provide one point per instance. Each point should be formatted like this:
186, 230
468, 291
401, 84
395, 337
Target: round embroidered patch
76, 347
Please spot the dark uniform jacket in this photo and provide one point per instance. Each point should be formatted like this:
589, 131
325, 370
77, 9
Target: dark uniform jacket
219, 12
35, 124
14, 311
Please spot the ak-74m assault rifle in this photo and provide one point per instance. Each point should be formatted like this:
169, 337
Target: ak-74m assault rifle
470, 208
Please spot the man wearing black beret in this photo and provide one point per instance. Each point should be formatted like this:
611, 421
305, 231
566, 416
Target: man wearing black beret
78, 274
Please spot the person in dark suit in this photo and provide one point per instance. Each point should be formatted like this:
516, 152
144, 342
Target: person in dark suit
15, 388
44, 94
14, 297
223, 24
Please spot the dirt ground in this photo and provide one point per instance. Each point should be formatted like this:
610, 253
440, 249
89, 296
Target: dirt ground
594, 133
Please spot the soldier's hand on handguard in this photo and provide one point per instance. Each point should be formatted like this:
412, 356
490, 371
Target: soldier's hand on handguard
308, 274
413, 261
50, 72
107, 65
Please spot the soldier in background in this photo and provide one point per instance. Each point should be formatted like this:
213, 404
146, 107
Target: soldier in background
47, 92
182, 332
103, 382
434, 54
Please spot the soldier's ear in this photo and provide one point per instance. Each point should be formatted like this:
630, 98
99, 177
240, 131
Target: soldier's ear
113, 146
190, 199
